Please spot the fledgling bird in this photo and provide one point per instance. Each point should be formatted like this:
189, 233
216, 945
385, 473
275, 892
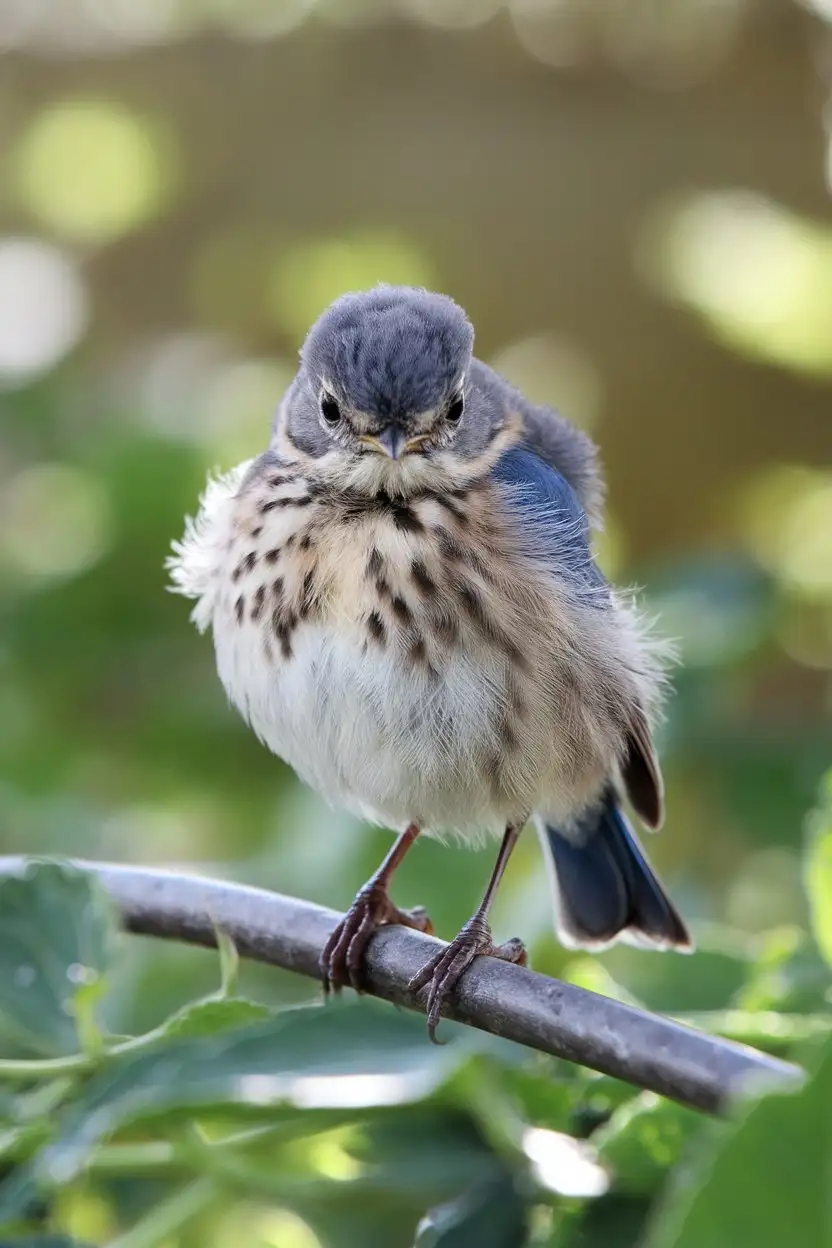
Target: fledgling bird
406, 608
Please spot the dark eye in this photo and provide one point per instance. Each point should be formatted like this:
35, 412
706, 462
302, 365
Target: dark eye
330, 410
455, 409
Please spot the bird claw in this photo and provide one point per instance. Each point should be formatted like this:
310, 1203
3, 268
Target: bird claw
444, 970
342, 958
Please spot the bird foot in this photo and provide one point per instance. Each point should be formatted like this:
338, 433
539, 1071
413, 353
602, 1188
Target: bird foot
445, 969
342, 959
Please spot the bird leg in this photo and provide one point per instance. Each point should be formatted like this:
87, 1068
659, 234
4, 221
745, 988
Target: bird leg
445, 969
343, 954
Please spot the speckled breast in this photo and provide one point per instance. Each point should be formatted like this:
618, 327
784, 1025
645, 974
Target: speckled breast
370, 643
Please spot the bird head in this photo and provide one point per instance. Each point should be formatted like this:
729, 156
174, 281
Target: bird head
384, 398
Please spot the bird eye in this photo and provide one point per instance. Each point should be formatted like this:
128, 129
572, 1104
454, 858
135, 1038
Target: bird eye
330, 410
455, 409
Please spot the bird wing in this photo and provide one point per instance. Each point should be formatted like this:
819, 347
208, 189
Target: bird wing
555, 439
555, 522
557, 530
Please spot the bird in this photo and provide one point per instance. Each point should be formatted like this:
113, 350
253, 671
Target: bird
407, 609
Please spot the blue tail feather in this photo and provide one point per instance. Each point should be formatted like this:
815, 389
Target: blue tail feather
606, 888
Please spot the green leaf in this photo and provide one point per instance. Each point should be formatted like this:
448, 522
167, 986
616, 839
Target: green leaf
544, 1095
213, 1016
818, 871
643, 1139
348, 1056
763, 1180
789, 975
772, 1031
492, 1215
709, 980
57, 936
614, 1221
425, 1149
229, 961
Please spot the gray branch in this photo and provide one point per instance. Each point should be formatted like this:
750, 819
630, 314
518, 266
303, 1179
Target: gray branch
652, 1052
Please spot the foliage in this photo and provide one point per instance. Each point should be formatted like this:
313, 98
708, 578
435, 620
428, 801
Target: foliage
185, 184
343, 1125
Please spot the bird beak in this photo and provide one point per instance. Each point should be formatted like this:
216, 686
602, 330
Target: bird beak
392, 441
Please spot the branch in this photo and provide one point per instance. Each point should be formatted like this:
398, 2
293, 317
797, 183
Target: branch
697, 1069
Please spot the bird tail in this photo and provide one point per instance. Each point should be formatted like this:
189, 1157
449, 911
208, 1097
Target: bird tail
605, 888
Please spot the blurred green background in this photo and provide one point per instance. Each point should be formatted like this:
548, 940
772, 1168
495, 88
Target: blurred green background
630, 198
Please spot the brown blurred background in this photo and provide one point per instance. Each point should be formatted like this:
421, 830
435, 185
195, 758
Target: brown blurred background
631, 199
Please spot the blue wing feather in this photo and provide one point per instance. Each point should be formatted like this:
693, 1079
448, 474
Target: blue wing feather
556, 529
554, 521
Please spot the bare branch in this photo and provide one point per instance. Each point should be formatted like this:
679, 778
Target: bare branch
689, 1066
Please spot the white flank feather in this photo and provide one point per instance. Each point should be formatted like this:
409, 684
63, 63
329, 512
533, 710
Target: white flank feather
196, 558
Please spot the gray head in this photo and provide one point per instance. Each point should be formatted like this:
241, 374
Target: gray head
383, 397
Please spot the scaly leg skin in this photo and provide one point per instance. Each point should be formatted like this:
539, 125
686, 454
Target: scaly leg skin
342, 959
446, 968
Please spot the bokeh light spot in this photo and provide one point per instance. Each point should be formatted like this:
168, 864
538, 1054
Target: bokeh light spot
129, 23
555, 32
240, 405
260, 19
766, 892
758, 275
714, 609
785, 519
56, 521
193, 388
43, 308
281, 1229
310, 275
563, 1164
327, 1155
352, 13
452, 14
92, 170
